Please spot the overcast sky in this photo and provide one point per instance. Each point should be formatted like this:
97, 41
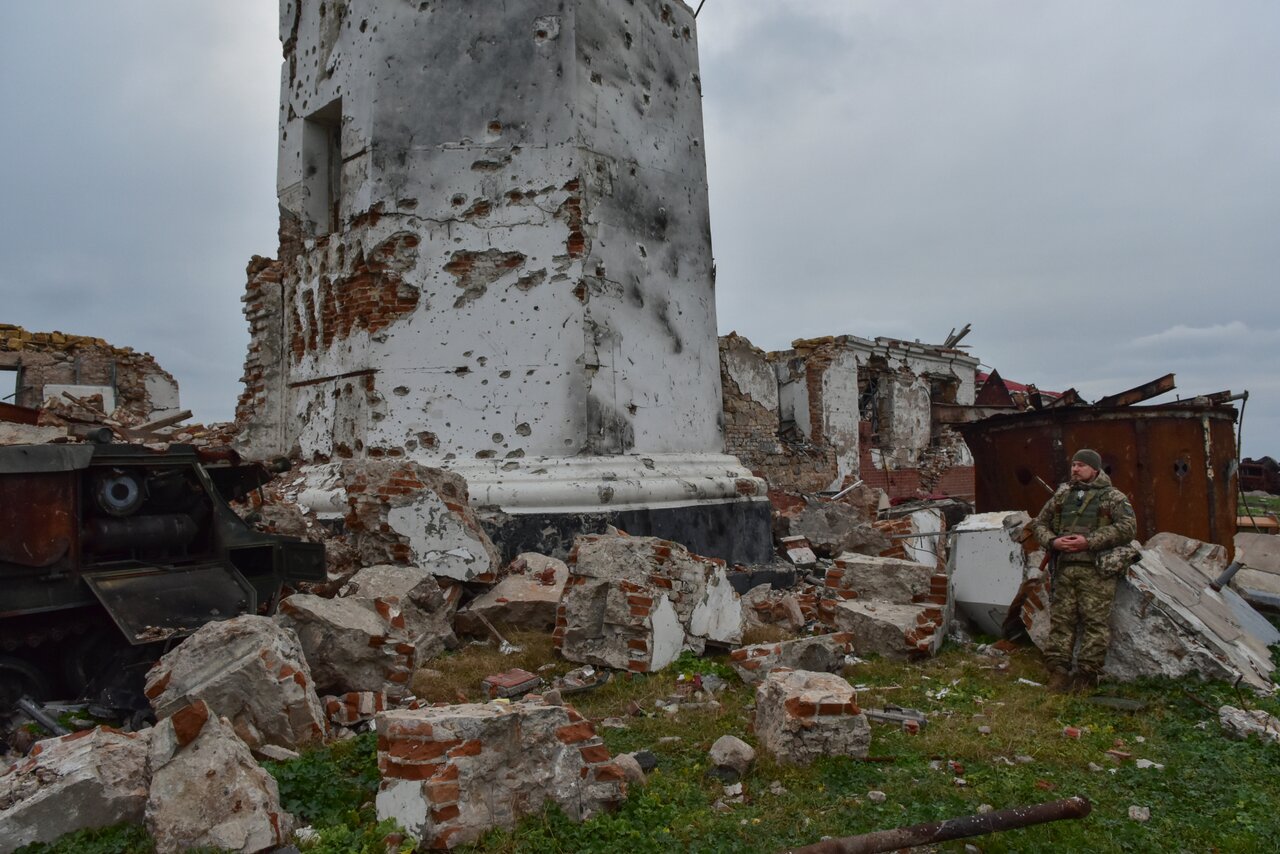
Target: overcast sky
1094, 185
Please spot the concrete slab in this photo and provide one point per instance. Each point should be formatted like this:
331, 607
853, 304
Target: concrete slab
987, 565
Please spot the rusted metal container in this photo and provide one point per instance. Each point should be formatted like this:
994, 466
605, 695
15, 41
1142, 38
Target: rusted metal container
1176, 462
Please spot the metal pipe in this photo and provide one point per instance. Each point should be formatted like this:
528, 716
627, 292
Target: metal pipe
842, 493
1227, 574
952, 828
42, 717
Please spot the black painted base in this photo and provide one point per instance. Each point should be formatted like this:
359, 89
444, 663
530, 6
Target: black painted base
738, 532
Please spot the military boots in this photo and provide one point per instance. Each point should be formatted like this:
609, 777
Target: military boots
1059, 681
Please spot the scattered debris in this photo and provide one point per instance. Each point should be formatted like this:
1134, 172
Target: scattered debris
820, 653
898, 715
354, 707
1140, 814
513, 683
633, 603
796, 549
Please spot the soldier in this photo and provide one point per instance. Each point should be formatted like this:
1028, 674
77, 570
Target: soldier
1086, 527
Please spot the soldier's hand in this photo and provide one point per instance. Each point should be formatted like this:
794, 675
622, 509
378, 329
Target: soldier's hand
1071, 543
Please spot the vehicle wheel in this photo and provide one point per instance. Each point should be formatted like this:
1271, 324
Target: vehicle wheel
89, 656
20, 679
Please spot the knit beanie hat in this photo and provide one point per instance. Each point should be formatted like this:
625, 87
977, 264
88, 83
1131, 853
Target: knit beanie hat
1090, 458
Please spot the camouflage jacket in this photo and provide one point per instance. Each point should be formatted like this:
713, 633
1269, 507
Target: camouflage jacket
1097, 510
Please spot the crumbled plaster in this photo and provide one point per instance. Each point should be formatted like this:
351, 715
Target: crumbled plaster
515, 270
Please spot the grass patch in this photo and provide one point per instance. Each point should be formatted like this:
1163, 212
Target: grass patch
1213, 793
329, 785
1258, 505
456, 676
117, 839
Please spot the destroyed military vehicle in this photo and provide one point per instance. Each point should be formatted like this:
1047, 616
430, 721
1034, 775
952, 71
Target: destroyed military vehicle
111, 553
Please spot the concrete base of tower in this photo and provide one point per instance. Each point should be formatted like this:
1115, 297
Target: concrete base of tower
738, 532
708, 503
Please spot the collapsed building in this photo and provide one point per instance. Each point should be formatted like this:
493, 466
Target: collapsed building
832, 411
36, 367
495, 259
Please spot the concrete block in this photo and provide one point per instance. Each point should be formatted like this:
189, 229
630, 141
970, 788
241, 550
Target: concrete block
452, 773
801, 716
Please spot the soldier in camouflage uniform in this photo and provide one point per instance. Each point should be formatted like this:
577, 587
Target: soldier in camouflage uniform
1086, 526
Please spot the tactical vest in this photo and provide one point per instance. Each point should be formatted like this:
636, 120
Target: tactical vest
1080, 515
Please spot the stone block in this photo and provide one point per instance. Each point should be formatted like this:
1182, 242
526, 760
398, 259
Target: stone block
633, 603
819, 654
207, 791
452, 773
426, 607
92, 778
884, 578
527, 599
801, 716
1167, 622
248, 670
354, 707
890, 629
352, 644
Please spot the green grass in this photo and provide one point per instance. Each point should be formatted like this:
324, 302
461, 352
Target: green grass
1214, 794
1259, 505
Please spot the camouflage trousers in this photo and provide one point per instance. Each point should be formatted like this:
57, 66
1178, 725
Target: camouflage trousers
1080, 607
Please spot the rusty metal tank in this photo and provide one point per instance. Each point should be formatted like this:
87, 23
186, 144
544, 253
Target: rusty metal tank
1176, 462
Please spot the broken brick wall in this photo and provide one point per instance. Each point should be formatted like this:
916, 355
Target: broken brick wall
752, 425
844, 408
442, 288
36, 360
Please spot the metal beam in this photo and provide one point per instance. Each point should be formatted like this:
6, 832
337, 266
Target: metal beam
1137, 394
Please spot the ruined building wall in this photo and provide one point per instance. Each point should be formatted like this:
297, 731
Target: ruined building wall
845, 408
495, 253
753, 428
500, 231
38, 365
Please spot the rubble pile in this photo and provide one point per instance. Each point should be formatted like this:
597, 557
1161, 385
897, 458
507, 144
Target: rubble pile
248, 670
820, 653
451, 773
633, 603
527, 598
352, 645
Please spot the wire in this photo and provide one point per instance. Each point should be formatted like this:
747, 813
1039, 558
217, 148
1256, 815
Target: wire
699, 9
1239, 451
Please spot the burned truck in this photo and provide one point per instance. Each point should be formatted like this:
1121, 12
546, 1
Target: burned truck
111, 553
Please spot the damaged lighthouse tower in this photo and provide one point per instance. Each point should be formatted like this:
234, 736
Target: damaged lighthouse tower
495, 259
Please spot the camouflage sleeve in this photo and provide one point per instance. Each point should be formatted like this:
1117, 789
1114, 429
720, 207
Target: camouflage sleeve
1123, 527
1042, 525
